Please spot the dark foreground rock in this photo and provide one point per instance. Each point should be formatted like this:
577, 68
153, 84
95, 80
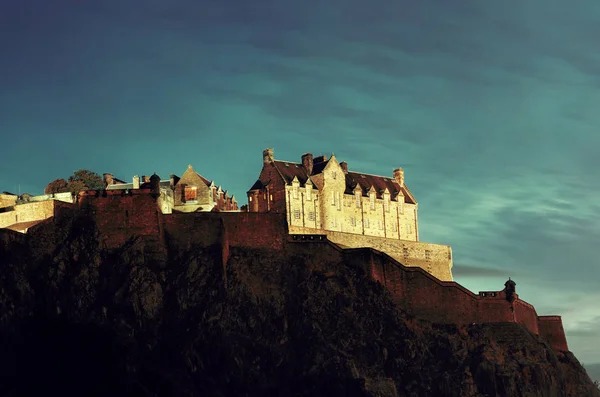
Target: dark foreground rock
79, 320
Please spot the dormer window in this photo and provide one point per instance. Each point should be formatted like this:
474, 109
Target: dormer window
191, 194
372, 200
357, 199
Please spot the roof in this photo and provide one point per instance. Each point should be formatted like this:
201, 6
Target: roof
191, 177
379, 183
289, 170
22, 226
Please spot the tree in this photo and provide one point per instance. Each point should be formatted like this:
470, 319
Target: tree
85, 180
80, 180
57, 186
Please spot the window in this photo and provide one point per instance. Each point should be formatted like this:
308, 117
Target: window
386, 204
295, 188
428, 254
250, 198
380, 225
339, 202
308, 191
357, 199
297, 214
408, 229
401, 206
334, 175
405, 252
372, 198
191, 193
366, 223
334, 223
353, 221
311, 216
271, 197
332, 198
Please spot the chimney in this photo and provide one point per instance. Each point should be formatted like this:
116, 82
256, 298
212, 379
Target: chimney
307, 162
108, 179
319, 159
399, 176
344, 166
136, 181
268, 156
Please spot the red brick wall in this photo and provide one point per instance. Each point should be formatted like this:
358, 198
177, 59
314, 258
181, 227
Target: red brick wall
551, 329
276, 188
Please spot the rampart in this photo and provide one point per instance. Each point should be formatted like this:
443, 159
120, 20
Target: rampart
434, 258
28, 212
120, 216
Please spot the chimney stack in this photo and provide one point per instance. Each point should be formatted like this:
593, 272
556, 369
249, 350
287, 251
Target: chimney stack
307, 162
108, 179
399, 176
268, 156
344, 166
136, 181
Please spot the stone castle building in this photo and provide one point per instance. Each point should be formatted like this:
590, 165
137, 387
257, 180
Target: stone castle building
190, 193
321, 195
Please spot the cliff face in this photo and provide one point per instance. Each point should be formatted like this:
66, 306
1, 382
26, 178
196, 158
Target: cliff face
78, 319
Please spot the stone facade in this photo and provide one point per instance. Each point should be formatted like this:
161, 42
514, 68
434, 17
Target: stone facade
190, 193
20, 216
320, 195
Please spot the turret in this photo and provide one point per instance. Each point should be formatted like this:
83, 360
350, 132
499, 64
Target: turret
155, 184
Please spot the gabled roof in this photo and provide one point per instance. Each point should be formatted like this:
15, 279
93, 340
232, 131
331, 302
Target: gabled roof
191, 177
289, 171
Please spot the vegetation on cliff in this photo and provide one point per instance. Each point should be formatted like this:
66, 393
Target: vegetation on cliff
79, 320
80, 180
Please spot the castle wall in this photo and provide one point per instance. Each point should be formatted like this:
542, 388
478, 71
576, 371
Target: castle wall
7, 200
525, 314
120, 216
27, 212
426, 297
434, 258
551, 329
244, 229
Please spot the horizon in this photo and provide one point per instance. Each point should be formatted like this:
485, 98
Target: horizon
489, 108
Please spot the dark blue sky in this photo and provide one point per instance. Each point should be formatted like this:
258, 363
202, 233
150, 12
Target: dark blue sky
490, 107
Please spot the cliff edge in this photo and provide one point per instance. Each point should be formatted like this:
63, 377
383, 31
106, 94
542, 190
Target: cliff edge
160, 318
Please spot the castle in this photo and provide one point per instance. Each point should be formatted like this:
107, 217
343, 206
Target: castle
282, 204
322, 196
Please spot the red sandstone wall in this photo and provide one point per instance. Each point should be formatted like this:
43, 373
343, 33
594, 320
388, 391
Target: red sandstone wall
525, 314
120, 217
551, 329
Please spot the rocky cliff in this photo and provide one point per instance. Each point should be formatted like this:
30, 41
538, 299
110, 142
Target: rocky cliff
76, 319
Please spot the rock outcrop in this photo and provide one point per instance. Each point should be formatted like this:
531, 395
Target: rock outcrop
77, 319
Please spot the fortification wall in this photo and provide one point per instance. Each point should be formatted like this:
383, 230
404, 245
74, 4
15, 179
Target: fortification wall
551, 329
121, 216
7, 200
434, 258
244, 229
426, 297
28, 212
525, 314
